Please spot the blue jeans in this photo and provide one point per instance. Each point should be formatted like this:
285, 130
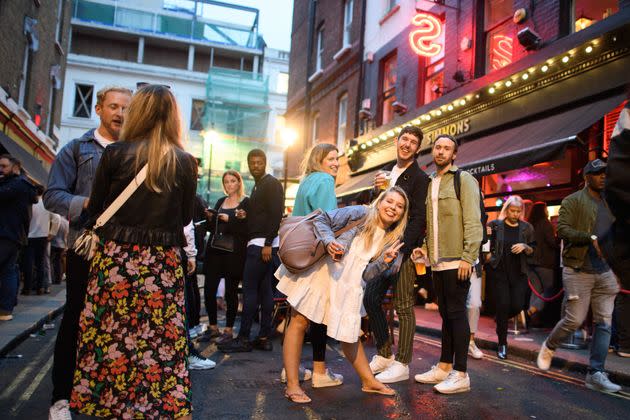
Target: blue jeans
583, 290
8, 274
258, 285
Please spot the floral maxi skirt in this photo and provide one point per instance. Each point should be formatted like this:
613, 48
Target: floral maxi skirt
132, 346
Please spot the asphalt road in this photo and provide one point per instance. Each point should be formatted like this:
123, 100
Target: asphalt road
247, 386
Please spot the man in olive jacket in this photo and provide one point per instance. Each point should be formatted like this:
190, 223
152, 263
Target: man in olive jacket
588, 280
454, 234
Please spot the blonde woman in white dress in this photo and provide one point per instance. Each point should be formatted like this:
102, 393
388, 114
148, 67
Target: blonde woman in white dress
331, 292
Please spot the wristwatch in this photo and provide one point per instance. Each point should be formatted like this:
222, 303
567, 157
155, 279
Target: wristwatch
593, 237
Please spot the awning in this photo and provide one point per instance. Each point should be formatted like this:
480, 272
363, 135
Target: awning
357, 184
542, 140
30, 164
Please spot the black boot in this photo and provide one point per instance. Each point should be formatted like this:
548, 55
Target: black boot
238, 345
502, 352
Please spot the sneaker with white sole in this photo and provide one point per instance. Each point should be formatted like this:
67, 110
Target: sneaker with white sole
454, 383
200, 363
474, 351
396, 372
545, 356
327, 379
303, 374
380, 363
60, 410
599, 381
434, 376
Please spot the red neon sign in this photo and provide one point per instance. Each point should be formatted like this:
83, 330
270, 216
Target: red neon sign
421, 39
502, 47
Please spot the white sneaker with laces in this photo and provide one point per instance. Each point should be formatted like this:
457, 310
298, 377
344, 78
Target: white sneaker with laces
474, 351
380, 363
545, 356
434, 376
599, 381
454, 383
327, 379
396, 372
60, 410
197, 363
303, 374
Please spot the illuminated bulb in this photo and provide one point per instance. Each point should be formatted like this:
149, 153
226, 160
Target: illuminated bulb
491, 90
477, 96
499, 202
525, 76
462, 102
383, 137
544, 68
589, 49
390, 133
565, 59
349, 152
438, 112
415, 122
450, 107
398, 129
508, 83
355, 148
428, 117
376, 140
369, 143
363, 146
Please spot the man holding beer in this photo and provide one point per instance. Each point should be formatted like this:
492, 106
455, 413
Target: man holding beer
406, 174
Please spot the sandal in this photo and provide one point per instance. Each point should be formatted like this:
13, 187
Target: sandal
387, 391
297, 397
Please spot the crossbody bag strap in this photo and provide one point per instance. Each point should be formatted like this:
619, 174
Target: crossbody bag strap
122, 198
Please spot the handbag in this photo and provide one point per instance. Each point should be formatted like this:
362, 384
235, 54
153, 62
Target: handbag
85, 245
220, 240
300, 247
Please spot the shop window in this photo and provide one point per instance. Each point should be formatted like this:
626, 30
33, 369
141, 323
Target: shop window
499, 34
431, 70
342, 119
347, 22
282, 85
83, 100
315, 128
197, 114
610, 120
587, 12
387, 95
320, 50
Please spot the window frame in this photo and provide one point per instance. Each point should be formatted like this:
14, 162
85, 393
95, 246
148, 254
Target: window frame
342, 128
505, 22
348, 8
315, 128
194, 112
319, 52
88, 107
386, 95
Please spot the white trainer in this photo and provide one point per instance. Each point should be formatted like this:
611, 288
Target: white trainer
396, 372
474, 351
454, 383
380, 363
545, 356
327, 379
60, 410
197, 363
434, 376
303, 374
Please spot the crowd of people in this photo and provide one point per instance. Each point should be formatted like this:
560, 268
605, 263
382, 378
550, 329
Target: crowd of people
124, 346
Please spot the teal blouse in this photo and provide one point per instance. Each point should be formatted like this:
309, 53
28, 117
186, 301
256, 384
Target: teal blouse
316, 191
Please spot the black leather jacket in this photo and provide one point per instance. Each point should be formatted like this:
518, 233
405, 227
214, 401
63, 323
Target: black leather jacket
146, 218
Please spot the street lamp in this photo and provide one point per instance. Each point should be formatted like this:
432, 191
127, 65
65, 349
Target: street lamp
209, 138
288, 136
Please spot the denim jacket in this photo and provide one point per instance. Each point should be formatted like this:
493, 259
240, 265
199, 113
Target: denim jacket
70, 181
327, 223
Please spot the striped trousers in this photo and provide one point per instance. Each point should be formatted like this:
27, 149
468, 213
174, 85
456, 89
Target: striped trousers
403, 303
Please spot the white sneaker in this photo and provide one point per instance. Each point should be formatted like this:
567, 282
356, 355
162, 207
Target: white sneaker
434, 376
396, 372
60, 410
454, 383
198, 363
303, 374
327, 379
474, 351
380, 363
545, 355
599, 381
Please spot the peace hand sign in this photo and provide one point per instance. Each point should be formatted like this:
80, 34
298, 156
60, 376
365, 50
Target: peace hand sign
391, 253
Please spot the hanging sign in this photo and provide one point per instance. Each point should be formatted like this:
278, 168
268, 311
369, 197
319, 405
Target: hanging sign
429, 28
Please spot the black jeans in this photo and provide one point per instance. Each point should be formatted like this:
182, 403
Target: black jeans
33, 265
510, 296
258, 286
77, 271
228, 265
451, 295
56, 264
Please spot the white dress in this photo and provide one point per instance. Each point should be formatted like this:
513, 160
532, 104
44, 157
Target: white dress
330, 292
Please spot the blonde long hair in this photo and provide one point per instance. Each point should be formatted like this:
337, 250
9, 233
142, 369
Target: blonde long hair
313, 160
153, 120
513, 200
370, 225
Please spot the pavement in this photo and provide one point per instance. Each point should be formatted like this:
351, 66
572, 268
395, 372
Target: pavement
34, 313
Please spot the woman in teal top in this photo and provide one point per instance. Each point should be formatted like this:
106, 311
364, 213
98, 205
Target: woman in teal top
317, 191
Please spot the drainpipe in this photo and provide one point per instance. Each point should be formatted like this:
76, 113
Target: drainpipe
309, 63
361, 81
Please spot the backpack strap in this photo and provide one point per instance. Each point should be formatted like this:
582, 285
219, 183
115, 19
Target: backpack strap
457, 183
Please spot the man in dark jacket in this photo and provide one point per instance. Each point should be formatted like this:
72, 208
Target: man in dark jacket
406, 174
17, 195
266, 207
